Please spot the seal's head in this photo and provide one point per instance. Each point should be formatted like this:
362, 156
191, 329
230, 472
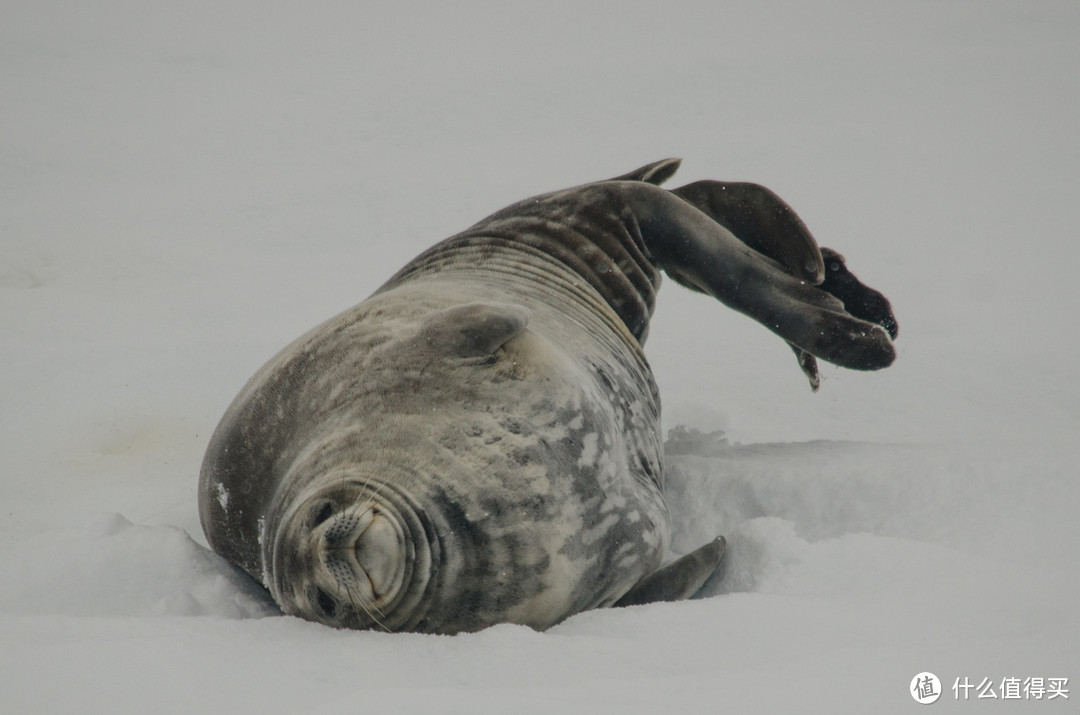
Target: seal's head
438, 479
354, 554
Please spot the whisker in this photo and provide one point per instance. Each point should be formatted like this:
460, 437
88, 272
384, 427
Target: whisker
368, 607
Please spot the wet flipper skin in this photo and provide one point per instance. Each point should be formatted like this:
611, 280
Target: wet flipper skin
859, 300
655, 173
680, 579
698, 252
808, 364
760, 219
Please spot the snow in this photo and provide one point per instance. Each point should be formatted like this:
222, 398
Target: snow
185, 188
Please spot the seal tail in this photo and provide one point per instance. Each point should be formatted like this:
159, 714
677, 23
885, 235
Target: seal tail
655, 173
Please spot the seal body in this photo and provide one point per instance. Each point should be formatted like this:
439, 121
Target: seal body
479, 441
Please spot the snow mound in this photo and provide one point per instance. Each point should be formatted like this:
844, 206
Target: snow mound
976, 499
112, 567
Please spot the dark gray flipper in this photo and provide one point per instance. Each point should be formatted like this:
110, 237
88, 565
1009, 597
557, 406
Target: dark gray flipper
760, 219
680, 579
655, 173
700, 253
859, 300
763, 221
808, 364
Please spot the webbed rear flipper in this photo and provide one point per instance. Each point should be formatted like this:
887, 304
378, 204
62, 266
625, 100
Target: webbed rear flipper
776, 276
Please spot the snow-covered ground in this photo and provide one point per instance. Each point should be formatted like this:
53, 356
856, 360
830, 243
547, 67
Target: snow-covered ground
186, 187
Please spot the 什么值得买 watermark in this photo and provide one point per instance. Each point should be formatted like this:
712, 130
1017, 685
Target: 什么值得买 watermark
926, 688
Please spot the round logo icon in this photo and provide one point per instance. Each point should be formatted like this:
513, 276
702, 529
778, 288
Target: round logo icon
925, 688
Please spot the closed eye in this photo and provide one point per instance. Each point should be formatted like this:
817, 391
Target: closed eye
322, 513
326, 603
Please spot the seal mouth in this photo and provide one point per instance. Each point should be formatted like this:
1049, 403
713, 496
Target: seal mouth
355, 555
365, 553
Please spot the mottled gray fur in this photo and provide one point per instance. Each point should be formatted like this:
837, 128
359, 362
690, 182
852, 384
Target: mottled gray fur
479, 441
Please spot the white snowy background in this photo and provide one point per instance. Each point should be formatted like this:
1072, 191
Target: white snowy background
185, 187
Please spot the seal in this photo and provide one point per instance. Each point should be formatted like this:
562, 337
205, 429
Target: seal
479, 441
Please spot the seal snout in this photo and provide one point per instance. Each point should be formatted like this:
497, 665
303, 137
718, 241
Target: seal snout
364, 553
352, 556
379, 551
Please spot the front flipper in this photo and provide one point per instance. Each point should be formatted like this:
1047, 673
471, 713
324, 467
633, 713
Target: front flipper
698, 252
680, 579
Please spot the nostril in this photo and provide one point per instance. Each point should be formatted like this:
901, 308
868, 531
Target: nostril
322, 513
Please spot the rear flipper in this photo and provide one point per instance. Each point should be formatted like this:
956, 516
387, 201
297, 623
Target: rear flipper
771, 270
859, 300
760, 219
678, 580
